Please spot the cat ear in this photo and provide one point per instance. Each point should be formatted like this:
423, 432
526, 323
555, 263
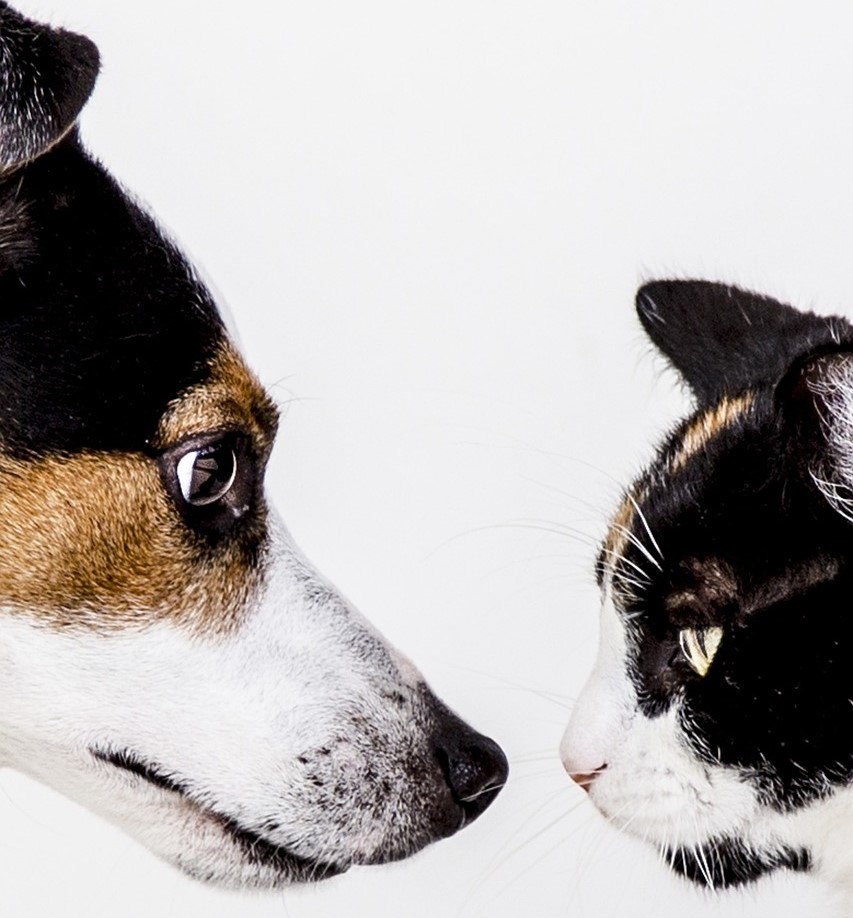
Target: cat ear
723, 340
817, 396
46, 76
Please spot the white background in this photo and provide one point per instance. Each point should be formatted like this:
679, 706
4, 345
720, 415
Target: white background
429, 220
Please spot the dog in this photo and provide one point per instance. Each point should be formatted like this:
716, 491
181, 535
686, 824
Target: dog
167, 655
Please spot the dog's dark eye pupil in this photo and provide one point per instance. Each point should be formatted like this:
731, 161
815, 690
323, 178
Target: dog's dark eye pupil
206, 475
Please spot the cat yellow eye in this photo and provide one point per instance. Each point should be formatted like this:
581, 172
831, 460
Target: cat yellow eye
699, 646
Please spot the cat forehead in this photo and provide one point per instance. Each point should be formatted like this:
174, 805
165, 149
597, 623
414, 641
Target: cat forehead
706, 426
727, 510
683, 459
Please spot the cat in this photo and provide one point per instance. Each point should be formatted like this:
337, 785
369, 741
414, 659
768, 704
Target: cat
718, 720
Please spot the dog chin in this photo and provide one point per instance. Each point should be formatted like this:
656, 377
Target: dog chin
212, 847
246, 860
216, 849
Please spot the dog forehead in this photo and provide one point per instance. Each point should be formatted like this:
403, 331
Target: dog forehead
229, 397
102, 320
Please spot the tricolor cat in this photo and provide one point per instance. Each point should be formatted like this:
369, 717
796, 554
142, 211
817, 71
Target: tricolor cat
718, 720
167, 655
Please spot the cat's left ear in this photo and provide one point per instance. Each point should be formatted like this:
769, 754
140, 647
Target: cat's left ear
724, 340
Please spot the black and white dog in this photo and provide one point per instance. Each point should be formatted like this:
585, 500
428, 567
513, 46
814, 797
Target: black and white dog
167, 656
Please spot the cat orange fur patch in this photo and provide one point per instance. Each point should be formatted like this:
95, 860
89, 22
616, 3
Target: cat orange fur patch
707, 425
620, 526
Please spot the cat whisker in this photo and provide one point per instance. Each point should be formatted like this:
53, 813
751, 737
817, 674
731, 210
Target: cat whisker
701, 861
562, 701
533, 864
635, 541
832, 492
645, 523
534, 757
543, 526
600, 516
503, 856
516, 524
624, 582
621, 559
623, 827
533, 775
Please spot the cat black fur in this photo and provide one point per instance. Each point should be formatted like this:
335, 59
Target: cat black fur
722, 339
746, 533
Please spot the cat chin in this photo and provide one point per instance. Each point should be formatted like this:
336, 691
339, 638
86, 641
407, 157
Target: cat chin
729, 862
815, 838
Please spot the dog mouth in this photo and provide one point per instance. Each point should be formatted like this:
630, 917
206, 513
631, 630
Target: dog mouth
253, 847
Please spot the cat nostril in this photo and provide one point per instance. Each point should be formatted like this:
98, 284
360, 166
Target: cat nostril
474, 767
585, 779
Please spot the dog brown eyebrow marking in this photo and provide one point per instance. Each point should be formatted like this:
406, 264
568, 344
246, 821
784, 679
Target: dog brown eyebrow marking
708, 425
92, 539
231, 398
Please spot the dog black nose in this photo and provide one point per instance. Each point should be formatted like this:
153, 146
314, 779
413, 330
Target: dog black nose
474, 766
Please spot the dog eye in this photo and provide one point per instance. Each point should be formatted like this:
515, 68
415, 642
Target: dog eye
700, 646
206, 475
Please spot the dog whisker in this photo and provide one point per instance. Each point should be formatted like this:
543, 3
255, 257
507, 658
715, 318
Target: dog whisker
489, 789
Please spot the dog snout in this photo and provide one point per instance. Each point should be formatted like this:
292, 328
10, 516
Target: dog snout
474, 766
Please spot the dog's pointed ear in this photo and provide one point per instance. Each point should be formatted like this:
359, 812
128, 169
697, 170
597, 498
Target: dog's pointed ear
46, 76
723, 340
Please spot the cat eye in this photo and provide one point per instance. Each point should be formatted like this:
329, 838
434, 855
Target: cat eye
206, 475
700, 646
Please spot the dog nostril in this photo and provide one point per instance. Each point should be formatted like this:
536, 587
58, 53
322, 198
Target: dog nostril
475, 769
585, 779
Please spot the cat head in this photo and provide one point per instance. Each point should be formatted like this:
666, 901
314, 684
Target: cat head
718, 720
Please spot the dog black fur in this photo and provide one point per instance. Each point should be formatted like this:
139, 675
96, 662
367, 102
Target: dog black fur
102, 320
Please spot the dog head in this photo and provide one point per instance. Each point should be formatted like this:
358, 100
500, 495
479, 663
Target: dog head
167, 656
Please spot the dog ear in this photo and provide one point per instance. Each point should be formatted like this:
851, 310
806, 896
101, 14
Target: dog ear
46, 76
723, 340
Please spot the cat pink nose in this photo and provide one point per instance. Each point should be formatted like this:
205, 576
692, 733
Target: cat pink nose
585, 779
582, 756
